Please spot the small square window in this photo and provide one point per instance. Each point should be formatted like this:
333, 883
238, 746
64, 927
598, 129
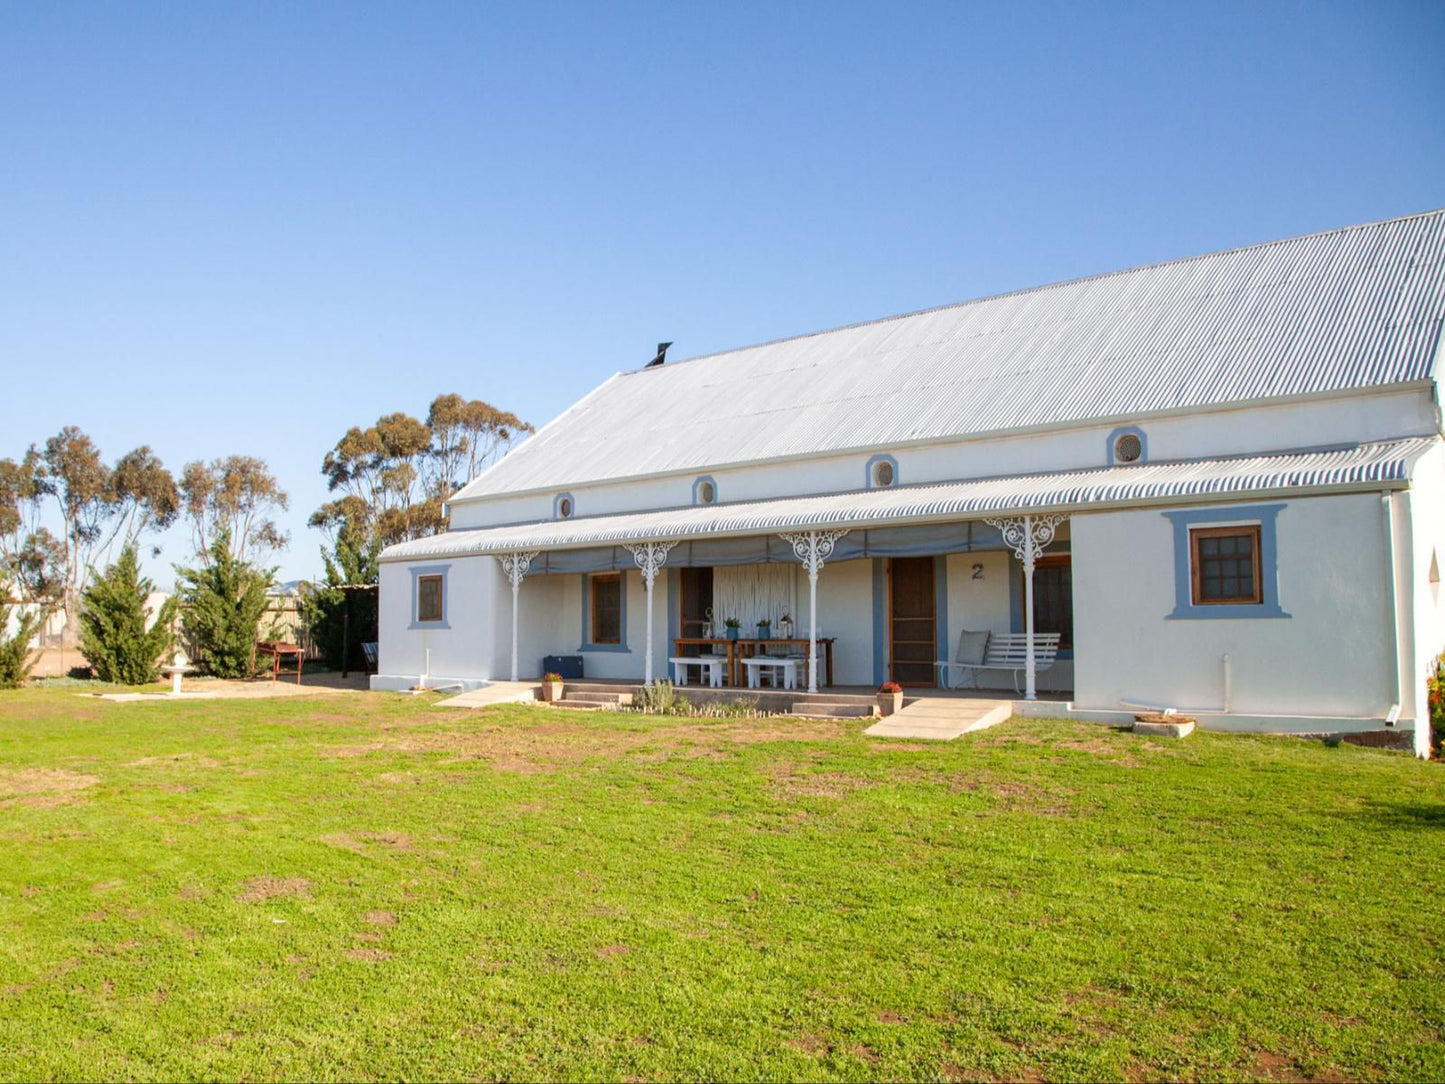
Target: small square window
429, 598
1224, 566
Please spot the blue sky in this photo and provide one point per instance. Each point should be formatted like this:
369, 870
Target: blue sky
244, 228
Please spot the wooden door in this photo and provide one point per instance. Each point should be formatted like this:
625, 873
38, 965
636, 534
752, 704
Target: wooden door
695, 602
912, 635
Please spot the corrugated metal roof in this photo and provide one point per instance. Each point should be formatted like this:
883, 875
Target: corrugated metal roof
1375, 466
1350, 308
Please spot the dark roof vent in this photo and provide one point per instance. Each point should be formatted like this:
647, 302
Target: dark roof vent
661, 355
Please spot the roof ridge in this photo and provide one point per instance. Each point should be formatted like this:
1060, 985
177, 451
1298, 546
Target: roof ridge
1437, 211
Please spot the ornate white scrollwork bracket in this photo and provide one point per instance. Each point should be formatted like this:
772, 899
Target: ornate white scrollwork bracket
650, 557
516, 565
1028, 536
813, 548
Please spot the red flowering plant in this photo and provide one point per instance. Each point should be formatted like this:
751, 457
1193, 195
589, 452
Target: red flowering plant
1435, 687
890, 687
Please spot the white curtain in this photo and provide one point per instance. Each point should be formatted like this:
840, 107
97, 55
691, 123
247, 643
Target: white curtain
754, 592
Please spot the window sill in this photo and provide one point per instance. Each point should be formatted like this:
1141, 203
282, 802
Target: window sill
428, 625
1236, 610
616, 648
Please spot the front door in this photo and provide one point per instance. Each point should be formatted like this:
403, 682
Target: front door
912, 636
695, 602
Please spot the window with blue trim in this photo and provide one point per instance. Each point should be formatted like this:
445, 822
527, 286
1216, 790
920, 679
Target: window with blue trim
1226, 562
429, 607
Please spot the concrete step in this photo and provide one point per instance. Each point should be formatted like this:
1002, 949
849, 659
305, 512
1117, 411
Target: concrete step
594, 698
578, 705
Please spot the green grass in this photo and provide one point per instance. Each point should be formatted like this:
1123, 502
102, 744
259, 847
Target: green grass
369, 887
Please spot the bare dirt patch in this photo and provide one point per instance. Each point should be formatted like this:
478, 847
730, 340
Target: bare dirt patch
789, 783
43, 781
357, 844
261, 889
371, 954
815, 1045
613, 950
176, 760
380, 918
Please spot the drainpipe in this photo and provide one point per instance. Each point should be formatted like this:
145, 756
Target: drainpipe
1387, 515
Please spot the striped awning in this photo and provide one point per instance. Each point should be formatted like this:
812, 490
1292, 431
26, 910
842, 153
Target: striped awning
1360, 467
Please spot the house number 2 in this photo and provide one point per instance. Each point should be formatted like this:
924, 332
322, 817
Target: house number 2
977, 572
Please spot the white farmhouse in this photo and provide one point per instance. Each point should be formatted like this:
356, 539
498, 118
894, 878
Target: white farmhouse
1219, 479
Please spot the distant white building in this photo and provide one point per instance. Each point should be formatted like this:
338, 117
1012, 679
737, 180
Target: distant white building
1230, 468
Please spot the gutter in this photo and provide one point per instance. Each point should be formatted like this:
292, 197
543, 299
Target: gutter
619, 536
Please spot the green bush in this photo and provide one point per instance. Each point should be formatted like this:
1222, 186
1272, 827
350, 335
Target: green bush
330, 609
224, 602
113, 634
17, 658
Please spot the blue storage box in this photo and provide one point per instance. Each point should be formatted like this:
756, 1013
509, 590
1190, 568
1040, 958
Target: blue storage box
569, 666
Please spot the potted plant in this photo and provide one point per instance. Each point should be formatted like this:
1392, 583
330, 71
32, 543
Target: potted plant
765, 628
551, 687
733, 625
890, 698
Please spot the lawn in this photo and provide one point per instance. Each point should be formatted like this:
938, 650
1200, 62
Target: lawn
366, 886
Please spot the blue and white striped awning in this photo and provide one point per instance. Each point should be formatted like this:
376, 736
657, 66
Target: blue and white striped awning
1361, 467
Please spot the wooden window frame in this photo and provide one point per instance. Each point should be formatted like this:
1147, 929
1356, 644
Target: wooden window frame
604, 577
441, 614
1196, 565
1050, 560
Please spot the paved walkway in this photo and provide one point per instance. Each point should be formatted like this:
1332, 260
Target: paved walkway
942, 718
498, 692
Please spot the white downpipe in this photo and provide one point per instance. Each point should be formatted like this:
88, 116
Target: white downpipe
1387, 517
1226, 665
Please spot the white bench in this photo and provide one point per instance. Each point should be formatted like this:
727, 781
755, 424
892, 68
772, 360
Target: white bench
1005, 651
710, 669
788, 667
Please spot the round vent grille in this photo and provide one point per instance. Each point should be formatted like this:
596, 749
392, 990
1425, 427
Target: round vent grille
564, 508
706, 494
883, 473
1128, 448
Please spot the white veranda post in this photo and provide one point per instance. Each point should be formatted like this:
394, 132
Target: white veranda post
650, 557
813, 548
514, 567
1028, 538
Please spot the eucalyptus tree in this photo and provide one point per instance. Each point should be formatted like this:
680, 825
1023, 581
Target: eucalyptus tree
236, 498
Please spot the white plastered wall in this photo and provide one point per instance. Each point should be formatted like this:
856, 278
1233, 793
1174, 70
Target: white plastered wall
1332, 658
460, 652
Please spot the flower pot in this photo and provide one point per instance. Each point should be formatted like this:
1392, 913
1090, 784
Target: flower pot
764, 631
732, 633
552, 691
888, 703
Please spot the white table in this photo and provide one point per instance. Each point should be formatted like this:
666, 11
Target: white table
710, 668
788, 666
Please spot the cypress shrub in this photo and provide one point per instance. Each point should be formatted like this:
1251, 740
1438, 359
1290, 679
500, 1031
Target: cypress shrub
113, 635
16, 657
224, 603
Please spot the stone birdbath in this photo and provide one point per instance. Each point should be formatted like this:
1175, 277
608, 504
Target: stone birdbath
178, 665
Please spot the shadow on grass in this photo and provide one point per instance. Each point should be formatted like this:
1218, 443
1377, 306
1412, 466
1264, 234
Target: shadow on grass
1406, 814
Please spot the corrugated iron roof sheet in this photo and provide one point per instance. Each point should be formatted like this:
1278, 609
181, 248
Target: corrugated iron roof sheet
1383, 465
1350, 308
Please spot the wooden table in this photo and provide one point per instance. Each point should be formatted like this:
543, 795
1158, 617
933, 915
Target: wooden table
746, 648
279, 650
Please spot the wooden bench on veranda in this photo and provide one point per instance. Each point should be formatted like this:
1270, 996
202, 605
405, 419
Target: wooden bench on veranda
1005, 651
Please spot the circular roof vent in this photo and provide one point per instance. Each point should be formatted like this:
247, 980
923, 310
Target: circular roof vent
1128, 448
706, 493
883, 473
